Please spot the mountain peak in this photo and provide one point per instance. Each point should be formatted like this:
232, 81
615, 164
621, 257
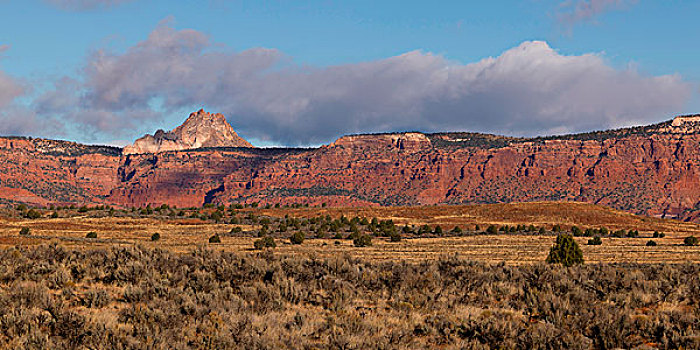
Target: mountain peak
200, 129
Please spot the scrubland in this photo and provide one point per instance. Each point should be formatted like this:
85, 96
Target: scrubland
470, 277
145, 298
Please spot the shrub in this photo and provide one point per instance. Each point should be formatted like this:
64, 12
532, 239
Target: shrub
542, 230
92, 234
395, 237
217, 216
236, 229
595, 241
155, 237
96, 298
362, 241
457, 230
263, 231
54, 215
215, 239
690, 241
492, 229
265, 242
32, 214
424, 229
438, 230
565, 251
24, 231
651, 243
575, 230
297, 238
83, 209
657, 235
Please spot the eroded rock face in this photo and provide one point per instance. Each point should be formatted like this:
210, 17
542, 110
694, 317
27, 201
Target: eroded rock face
45, 172
201, 129
652, 170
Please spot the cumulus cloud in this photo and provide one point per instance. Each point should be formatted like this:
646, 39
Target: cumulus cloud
10, 88
575, 11
16, 119
81, 5
530, 89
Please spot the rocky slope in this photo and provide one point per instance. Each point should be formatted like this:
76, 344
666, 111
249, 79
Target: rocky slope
201, 129
39, 171
653, 170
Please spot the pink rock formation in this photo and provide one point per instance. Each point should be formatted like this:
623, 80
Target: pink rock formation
201, 129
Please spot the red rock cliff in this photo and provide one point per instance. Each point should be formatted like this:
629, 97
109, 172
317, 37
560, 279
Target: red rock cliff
653, 170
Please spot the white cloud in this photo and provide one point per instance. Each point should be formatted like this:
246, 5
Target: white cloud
530, 89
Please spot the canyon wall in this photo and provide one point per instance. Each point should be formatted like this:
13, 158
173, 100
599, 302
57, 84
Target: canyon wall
650, 170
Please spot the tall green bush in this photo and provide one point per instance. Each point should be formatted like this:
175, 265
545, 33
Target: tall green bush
565, 251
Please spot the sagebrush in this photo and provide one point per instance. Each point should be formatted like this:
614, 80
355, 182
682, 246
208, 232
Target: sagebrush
54, 297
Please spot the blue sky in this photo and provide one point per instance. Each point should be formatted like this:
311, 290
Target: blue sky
47, 48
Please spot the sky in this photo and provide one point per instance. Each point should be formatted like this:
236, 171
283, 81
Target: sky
302, 73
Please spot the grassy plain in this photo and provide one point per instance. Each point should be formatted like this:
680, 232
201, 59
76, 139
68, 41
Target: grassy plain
185, 234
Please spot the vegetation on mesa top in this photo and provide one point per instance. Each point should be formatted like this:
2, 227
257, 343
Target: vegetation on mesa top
67, 148
479, 140
487, 141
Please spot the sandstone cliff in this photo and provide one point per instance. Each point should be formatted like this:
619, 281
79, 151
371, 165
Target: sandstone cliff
201, 129
653, 170
47, 171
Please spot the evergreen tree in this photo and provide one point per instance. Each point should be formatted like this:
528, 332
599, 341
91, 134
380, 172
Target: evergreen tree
565, 251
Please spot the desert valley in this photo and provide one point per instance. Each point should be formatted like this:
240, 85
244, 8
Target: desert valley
312, 175
373, 204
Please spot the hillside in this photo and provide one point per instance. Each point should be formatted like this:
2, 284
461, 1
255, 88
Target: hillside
652, 170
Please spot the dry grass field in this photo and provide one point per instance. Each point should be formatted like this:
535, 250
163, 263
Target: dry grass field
429, 289
185, 234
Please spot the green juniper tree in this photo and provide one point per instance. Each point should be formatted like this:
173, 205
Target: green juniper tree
565, 251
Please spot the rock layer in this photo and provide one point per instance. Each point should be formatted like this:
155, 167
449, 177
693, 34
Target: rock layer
653, 170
